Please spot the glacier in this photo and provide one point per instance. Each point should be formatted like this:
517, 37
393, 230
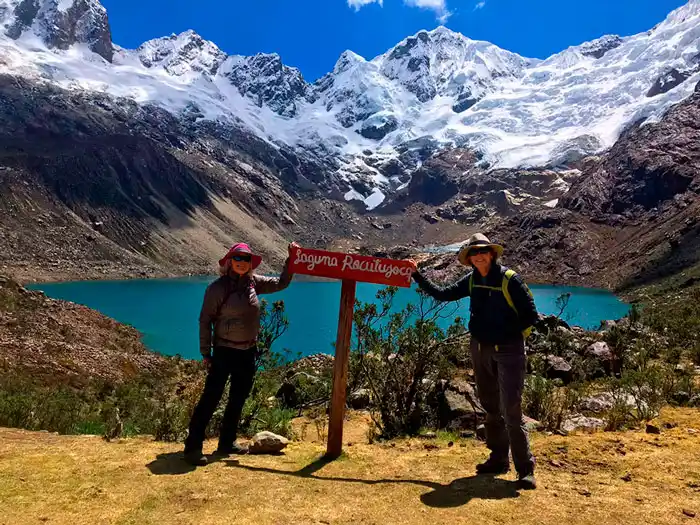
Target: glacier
436, 87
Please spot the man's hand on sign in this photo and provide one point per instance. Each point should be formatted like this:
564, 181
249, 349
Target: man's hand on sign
292, 246
413, 264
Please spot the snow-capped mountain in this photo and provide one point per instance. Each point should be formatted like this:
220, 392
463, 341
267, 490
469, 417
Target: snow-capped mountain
59, 23
433, 90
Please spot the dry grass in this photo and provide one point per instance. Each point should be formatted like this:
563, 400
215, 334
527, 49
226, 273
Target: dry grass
71, 480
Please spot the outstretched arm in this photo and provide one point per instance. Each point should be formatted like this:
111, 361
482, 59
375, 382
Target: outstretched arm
264, 284
453, 292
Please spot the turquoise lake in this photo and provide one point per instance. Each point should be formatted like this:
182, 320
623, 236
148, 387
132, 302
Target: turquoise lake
166, 310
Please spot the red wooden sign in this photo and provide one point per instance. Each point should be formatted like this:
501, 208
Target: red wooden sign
350, 269
345, 266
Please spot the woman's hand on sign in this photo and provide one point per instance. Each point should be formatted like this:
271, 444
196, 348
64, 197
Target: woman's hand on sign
292, 246
413, 263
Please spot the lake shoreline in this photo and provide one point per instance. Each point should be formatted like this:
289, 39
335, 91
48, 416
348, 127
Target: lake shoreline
133, 276
311, 308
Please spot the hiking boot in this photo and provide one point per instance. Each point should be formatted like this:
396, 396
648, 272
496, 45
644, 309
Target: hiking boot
527, 481
224, 452
493, 466
195, 458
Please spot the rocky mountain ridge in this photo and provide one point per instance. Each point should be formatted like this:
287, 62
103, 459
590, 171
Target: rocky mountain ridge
630, 217
434, 90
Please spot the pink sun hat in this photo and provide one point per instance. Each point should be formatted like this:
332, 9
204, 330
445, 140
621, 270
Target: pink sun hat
242, 247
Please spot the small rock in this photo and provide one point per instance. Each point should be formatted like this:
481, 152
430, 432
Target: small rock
428, 435
531, 424
653, 429
470, 434
481, 432
607, 325
580, 422
585, 492
689, 513
627, 477
451, 444
267, 443
670, 425
430, 446
692, 431
556, 463
432, 219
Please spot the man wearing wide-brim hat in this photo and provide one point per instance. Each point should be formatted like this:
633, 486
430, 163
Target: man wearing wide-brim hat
502, 313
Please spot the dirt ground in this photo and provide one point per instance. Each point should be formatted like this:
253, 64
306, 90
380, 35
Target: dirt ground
631, 477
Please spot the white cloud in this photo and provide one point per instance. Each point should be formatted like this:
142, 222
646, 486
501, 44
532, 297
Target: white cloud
358, 4
439, 6
480, 5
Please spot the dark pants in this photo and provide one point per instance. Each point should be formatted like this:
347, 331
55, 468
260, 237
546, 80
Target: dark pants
239, 365
500, 379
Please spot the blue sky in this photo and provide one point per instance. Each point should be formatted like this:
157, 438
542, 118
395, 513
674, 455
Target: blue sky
311, 34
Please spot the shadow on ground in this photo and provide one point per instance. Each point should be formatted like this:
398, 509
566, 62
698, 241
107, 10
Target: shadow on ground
173, 464
458, 492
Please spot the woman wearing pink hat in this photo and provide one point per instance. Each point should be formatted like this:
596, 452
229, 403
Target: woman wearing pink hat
229, 324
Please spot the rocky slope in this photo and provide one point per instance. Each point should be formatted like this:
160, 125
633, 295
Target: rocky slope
94, 186
53, 342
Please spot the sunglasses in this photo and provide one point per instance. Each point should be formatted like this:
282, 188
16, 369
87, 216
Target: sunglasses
479, 251
241, 258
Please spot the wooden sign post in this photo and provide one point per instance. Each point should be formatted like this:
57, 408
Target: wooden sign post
350, 269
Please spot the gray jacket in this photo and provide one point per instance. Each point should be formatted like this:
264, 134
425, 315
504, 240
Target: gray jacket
230, 315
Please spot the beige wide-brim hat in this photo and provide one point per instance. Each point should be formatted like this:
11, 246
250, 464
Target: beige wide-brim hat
478, 240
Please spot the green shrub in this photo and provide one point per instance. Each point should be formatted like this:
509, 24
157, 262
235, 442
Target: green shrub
548, 401
401, 355
160, 406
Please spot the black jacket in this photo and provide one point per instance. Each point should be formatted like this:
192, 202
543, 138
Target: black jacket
492, 320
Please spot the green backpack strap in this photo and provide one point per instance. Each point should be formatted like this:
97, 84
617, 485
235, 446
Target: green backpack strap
507, 276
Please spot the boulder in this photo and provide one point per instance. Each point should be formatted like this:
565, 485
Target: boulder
681, 398
359, 399
581, 422
458, 405
549, 323
601, 354
558, 368
267, 443
603, 402
600, 350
